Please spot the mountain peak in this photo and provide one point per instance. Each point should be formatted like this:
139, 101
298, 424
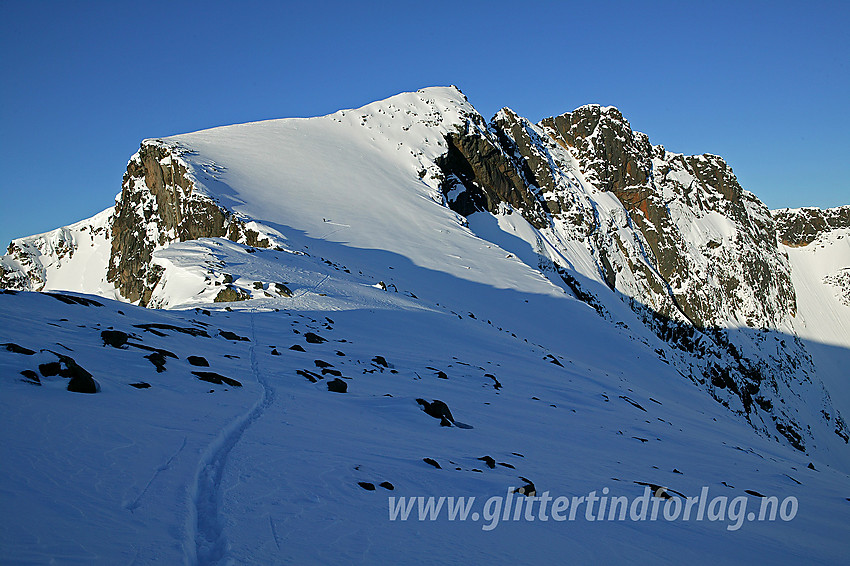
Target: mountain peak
666, 241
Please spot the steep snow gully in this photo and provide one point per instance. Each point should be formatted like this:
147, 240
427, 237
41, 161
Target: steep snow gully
205, 540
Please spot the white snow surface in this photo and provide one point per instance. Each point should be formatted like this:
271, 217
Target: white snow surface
823, 318
188, 471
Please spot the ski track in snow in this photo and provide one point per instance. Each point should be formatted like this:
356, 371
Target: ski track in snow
205, 541
312, 290
136, 503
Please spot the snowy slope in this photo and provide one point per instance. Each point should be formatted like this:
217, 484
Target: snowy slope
268, 472
821, 272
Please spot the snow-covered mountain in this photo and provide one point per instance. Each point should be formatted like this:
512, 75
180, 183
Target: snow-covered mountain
602, 312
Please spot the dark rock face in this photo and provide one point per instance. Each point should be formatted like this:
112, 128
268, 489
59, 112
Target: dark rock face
802, 226
160, 203
483, 176
664, 194
614, 157
337, 386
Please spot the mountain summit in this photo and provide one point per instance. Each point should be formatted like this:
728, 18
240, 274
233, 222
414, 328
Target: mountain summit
566, 284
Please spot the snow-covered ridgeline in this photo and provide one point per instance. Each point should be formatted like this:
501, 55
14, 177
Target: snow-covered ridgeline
73, 258
578, 205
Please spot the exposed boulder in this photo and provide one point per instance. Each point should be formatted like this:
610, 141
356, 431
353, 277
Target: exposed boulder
438, 410
49, 369
158, 360
314, 338
231, 294
312, 377
114, 338
217, 378
81, 381
31, 376
282, 290
74, 300
528, 490
198, 361
11, 347
83, 384
228, 335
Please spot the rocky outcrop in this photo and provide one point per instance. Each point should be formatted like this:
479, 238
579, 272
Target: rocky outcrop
676, 237
737, 273
162, 201
613, 157
479, 175
231, 294
797, 227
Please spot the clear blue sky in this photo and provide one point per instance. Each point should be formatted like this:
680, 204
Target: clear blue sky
764, 84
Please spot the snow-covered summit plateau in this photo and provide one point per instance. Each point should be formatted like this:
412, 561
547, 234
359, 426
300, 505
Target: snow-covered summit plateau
596, 311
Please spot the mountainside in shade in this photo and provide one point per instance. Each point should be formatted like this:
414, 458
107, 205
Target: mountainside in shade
598, 309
